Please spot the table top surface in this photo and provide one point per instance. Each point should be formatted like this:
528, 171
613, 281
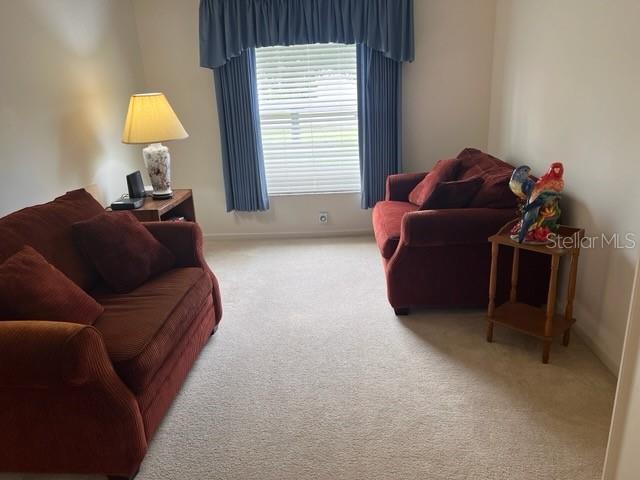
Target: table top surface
567, 240
179, 196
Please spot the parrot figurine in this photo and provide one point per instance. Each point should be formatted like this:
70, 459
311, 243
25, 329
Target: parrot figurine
531, 211
550, 181
521, 183
540, 210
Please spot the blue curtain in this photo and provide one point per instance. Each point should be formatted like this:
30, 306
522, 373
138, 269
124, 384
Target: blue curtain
229, 27
241, 140
379, 121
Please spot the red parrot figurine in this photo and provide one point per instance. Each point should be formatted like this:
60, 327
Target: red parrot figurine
550, 181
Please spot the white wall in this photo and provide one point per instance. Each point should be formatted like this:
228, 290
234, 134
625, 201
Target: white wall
67, 70
447, 89
565, 88
446, 99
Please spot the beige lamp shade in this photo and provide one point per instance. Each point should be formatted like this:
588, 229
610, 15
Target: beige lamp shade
151, 119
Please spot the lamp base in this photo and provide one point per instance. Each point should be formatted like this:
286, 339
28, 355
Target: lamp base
158, 162
161, 196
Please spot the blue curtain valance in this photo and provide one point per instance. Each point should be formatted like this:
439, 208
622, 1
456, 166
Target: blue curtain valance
229, 27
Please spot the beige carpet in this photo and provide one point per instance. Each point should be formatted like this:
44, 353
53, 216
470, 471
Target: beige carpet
311, 376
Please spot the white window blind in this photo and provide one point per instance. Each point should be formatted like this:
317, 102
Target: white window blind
307, 96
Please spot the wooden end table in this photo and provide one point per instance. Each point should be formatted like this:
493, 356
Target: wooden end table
181, 205
541, 323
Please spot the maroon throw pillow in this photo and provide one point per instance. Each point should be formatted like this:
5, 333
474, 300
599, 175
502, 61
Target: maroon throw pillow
443, 171
456, 194
33, 289
123, 251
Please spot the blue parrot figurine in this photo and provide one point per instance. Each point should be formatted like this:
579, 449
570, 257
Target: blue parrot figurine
521, 184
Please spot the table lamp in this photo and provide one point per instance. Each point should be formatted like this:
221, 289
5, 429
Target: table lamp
150, 119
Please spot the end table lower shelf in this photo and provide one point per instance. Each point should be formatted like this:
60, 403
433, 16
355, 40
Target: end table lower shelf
530, 320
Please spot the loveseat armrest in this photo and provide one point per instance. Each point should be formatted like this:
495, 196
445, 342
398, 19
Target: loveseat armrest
43, 354
185, 241
460, 226
399, 186
63, 408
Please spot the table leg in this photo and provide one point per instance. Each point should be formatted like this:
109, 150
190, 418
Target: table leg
551, 304
492, 290
546, 350
571, 293
513, 294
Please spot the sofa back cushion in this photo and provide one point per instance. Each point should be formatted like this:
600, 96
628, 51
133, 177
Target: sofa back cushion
443, 171
47, 228
495, 191
33, 289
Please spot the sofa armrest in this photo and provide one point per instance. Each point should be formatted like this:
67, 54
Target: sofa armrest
63, 408
460, 226
185, 241
400, 185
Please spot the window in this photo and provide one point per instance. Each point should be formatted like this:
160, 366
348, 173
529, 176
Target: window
307, 96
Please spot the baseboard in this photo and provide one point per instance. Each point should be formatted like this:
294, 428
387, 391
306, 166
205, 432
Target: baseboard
275, 235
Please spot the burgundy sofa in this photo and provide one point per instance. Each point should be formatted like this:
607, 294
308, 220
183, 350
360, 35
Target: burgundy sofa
88, 399
441, 258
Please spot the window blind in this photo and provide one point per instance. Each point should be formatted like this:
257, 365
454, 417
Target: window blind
307, 96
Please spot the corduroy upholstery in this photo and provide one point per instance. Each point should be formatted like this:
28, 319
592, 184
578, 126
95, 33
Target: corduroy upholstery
441, 258
62, 406
387, 221
141, 327
123, 264
453, 194
399, 186
443, 171
184, 240
87, 399
494, 192
47, 228
32, 288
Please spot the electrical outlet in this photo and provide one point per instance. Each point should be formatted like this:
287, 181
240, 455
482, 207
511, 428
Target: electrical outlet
323, 217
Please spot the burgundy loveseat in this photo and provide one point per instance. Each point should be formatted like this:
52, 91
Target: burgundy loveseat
78, 398
441, 258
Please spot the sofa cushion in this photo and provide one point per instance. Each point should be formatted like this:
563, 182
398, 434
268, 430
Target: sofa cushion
33, 289
47, 228
495, 191
387, 223
140, 328
443, 171
122, 250
455, 194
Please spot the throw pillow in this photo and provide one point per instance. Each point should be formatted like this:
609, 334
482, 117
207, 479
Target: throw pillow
123, 251
456, 194
443, 171
33, 289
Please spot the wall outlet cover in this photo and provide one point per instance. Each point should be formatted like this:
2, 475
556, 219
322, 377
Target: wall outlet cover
323, 217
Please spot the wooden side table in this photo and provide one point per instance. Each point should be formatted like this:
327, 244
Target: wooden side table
542, 323
181, 205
